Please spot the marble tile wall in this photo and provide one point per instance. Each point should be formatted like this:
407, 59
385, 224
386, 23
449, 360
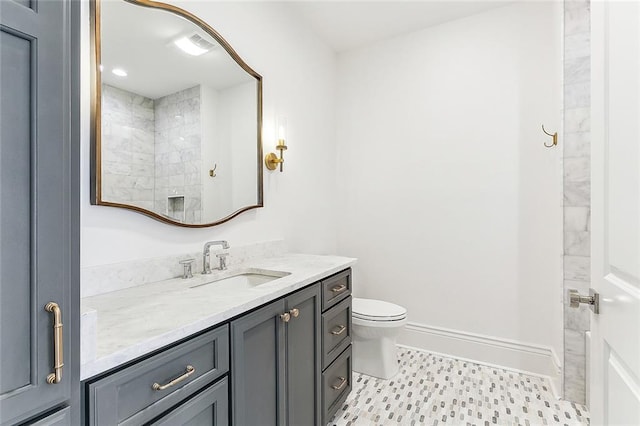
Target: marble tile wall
576, 190
177, 155
127, 147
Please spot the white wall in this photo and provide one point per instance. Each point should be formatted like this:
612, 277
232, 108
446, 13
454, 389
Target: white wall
215, 191
447, 196
299, 81
240, 119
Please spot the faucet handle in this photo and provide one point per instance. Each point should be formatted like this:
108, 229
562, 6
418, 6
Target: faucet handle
222, 257
187, 271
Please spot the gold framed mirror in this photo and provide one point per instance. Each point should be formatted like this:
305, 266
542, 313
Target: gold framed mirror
176, 121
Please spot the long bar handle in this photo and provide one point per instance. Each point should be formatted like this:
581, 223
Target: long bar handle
340, 385
338, 330
58, 343
190, 370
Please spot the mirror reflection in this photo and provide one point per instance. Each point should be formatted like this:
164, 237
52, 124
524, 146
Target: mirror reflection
179, 118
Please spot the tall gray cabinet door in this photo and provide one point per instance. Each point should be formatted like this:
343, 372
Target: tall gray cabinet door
258, 367
303, 357
36, 196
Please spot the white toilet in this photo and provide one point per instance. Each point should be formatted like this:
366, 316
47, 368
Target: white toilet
376, 324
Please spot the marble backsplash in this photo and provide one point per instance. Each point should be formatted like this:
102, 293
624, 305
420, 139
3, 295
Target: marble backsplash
107, 278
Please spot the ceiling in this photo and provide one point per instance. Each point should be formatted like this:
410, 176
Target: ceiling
346, 25
140, 41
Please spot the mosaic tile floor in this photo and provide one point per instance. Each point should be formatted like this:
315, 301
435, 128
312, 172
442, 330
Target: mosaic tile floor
434, 390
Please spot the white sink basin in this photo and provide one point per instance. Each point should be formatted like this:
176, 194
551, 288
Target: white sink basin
243, 280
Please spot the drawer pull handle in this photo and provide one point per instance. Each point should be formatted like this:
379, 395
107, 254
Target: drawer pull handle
339, 288
295, 312
338, 330
58, 344
286, 317
190, 370
340, 385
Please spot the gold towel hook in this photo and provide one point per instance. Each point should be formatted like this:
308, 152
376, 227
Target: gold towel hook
212, 172
554, 136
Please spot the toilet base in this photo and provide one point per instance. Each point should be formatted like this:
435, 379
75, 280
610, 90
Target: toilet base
375, 357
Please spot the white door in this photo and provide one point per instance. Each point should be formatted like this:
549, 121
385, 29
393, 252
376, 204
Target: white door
615, 267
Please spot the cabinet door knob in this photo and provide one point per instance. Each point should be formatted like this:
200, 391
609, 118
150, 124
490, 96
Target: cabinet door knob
285, 317
295, 312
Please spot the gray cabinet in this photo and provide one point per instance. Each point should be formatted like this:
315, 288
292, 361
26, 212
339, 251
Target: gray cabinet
59, 418
286, 363
335, 288
336, 331
143, 391
336, 342
275, 362
303, 357
336, 384
208, 408
39, 224
257, 362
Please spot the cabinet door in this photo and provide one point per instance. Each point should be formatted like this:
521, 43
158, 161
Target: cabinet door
258, 367
303, 357
208, 408
39, 232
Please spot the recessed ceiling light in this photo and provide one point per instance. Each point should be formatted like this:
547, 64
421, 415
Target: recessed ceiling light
194, 44
119, 72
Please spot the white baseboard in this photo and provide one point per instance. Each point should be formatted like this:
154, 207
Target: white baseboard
488, 350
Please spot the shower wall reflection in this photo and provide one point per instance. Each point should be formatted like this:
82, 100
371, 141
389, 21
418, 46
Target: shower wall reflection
180, 118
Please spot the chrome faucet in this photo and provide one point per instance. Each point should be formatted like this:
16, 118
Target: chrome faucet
206, 257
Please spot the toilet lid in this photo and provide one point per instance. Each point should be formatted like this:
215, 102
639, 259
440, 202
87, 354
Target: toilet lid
377, 310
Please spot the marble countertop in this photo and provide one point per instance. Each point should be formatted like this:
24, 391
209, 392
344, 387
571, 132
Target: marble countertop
129, 323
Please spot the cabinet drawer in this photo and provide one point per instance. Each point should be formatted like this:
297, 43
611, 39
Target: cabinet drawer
336, 331
209, 408
143, 391
59, 418
336, 385
335, 288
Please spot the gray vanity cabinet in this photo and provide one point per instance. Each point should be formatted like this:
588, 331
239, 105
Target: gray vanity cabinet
303, 358
336, 342
286, 363
163, 383
208, 408
257, 362
59, 418
275, 362
39, 224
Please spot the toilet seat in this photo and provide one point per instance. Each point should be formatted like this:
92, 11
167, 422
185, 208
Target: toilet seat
377, 310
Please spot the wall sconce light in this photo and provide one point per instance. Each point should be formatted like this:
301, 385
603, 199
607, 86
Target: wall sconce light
272, 160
